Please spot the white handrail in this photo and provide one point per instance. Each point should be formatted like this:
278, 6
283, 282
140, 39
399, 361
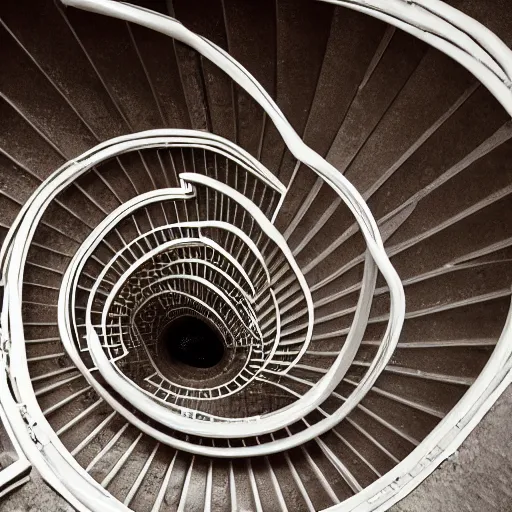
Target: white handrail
457, 35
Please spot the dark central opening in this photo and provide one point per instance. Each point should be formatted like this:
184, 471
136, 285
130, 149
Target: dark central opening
193, 342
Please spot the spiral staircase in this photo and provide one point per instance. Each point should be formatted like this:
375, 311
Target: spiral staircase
255, 255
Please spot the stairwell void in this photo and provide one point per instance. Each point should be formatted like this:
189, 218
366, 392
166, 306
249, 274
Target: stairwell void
255, 255
193, 342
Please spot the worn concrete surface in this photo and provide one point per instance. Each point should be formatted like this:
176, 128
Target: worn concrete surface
478, 477
35, 496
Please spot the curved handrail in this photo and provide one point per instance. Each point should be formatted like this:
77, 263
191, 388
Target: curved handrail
457, 35
163, 137
490, 75
328, 382
297, 147
347, 192
33, 210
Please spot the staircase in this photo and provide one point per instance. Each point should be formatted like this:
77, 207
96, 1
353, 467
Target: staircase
255, 255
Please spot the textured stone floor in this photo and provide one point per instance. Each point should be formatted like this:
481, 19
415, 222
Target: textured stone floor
35, 496
478, 477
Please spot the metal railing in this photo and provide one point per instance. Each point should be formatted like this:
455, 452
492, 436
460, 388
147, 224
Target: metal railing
229, 264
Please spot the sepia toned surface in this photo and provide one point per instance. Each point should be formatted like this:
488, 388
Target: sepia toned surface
421, 139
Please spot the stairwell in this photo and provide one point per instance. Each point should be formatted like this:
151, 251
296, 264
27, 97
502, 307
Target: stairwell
214, 217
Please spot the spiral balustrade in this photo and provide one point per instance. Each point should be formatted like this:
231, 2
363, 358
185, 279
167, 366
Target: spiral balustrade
198, 357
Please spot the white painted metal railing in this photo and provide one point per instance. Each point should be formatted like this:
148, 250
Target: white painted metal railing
253, 309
